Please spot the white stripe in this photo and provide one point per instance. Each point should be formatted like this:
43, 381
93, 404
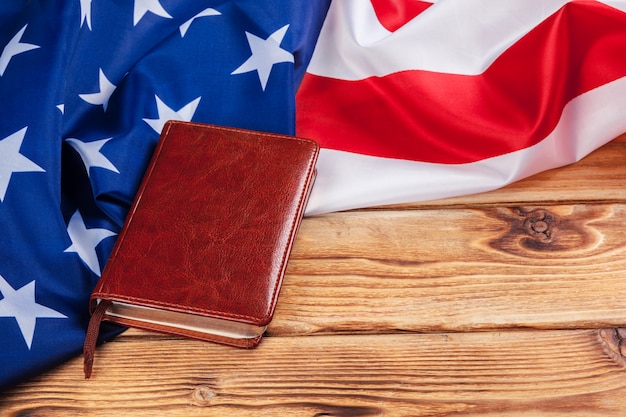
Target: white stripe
346, 180
452, 36
618, 4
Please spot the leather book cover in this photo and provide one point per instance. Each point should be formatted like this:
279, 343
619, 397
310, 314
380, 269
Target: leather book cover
205, 245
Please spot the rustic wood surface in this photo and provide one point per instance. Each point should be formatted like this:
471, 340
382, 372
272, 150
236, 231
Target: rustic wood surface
508, 303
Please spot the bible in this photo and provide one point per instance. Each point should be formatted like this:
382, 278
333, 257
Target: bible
204, 248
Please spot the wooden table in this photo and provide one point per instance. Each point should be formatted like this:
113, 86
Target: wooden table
509, 303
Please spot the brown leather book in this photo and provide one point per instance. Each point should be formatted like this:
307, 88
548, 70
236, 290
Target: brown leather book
205, 245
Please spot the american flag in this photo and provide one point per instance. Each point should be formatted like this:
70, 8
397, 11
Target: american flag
85, 88
417, 100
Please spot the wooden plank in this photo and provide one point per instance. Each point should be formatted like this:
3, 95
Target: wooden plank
573, 373
457, 270
545, 253
598, 177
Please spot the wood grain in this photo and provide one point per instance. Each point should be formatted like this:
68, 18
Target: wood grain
508, 303
457, 270
579, 373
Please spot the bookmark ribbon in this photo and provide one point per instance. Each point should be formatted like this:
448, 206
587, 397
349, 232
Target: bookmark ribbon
91, 338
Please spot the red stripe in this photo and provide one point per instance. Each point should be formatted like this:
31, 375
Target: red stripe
433, 117
395, 14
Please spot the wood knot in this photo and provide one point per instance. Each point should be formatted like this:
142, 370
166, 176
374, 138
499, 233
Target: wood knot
558, 233
540, 224
614, 345
203, 395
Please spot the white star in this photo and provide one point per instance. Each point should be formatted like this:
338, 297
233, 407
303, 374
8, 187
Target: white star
14, 47
206, 12
91, 155
84, 241
61, 108
144, 6
166, 113
12, 161
85, 13
102, 97
21, 305
265, 53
